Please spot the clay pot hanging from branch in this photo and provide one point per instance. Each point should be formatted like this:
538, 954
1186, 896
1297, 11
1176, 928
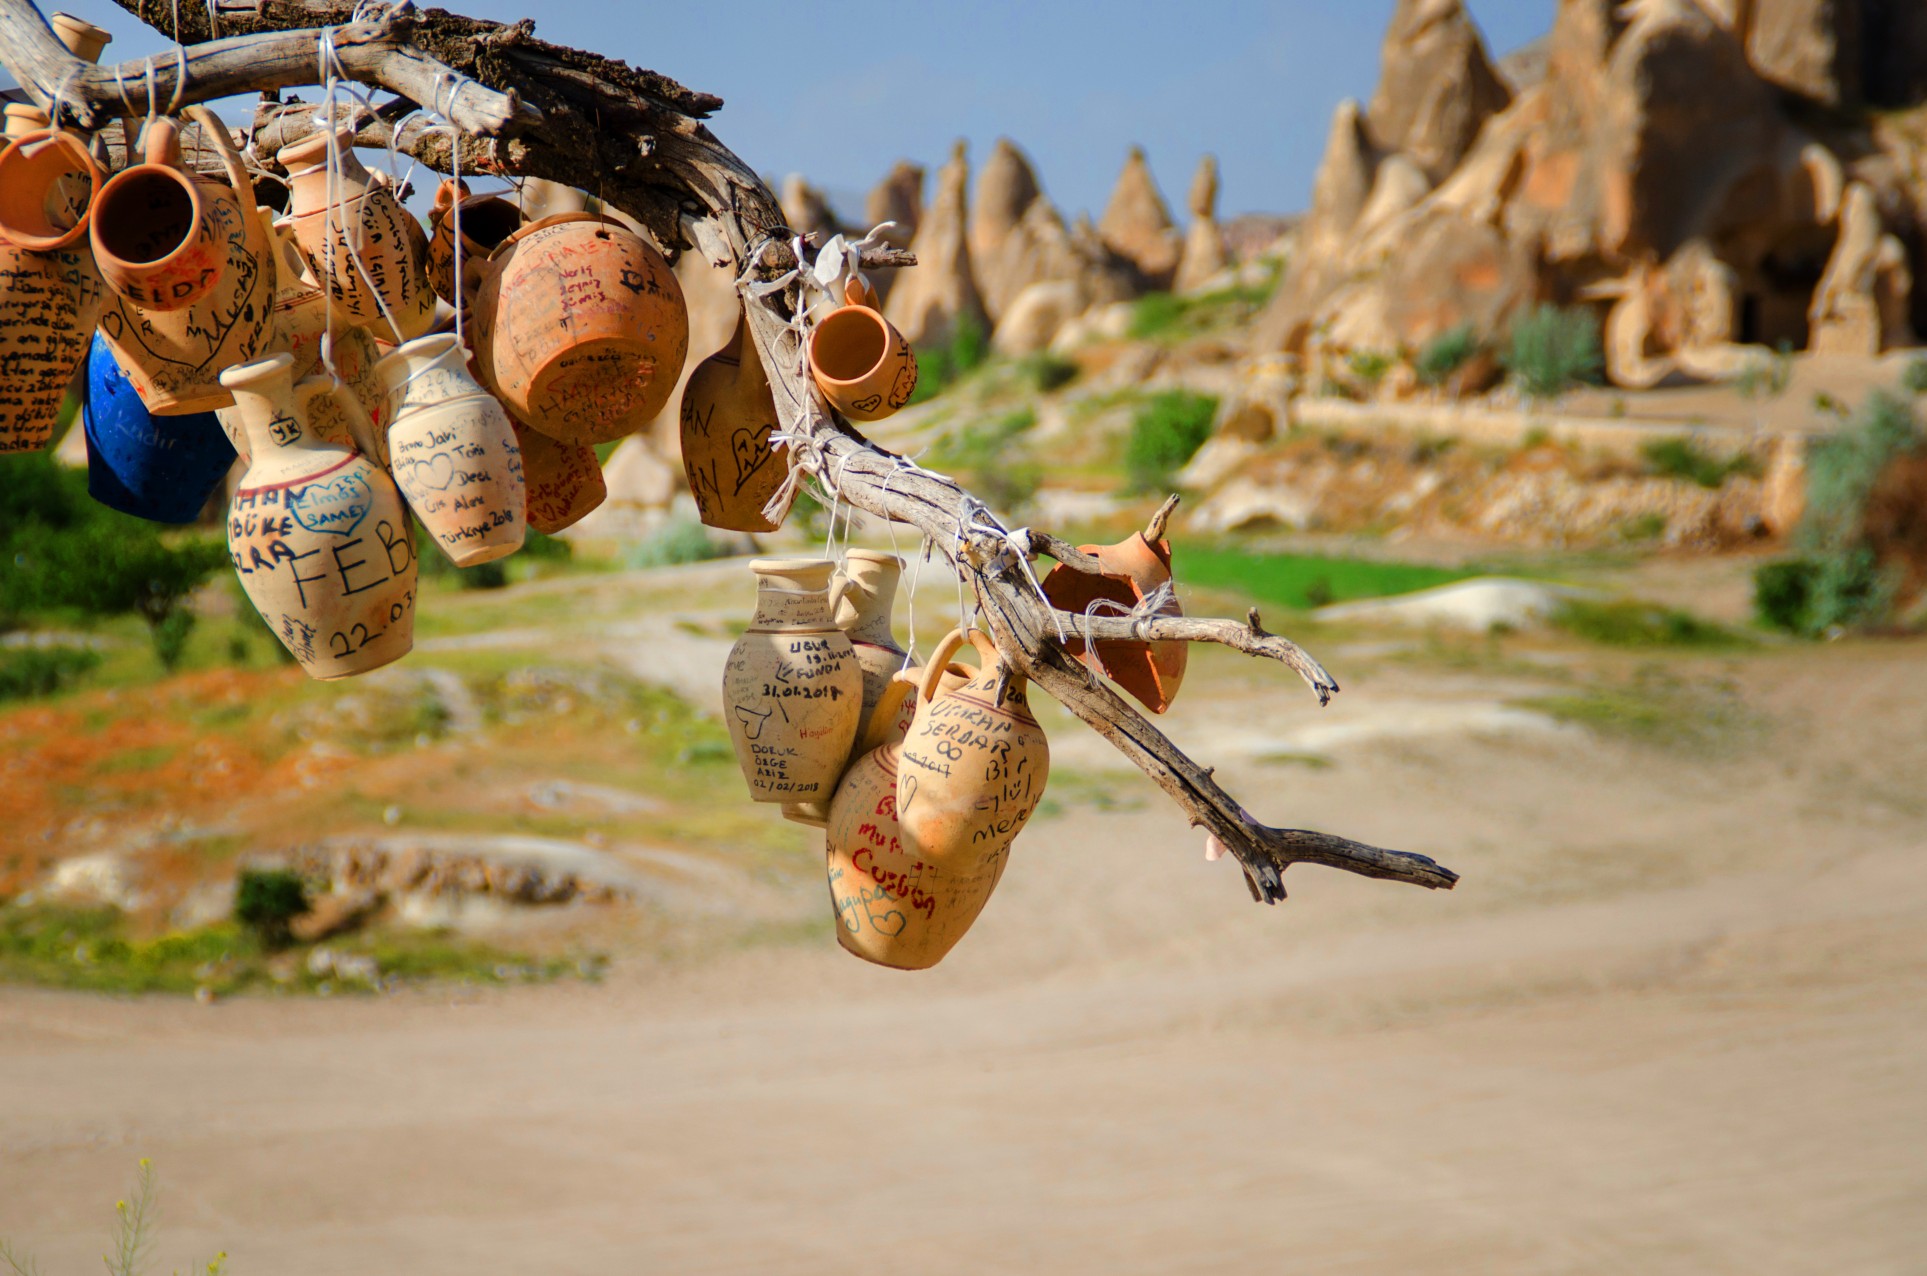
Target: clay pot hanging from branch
1134, 570
163, 469
51, 295
728, 414
861, 363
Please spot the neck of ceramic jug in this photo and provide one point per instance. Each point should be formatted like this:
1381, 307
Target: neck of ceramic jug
264, 396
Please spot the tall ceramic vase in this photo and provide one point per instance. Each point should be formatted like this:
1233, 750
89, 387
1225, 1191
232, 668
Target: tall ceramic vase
175, 358
861, 363
728, 414
50, 293
486, 220
1133, 570
580, 328
163, 469
317, 532
792, 689
971, 773
370, 252
882, 896
564, 480
453, 452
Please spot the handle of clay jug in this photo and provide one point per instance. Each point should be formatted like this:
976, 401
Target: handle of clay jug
162, 145
933, 672
839, 586
216, 132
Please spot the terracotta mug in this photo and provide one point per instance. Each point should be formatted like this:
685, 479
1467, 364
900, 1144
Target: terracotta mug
154, 240
486, 221
861, 363
48, 185
728, 414
1134, 568
83, 39
580, 328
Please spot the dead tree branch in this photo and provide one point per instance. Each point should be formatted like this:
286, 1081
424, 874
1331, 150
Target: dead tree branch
542, 110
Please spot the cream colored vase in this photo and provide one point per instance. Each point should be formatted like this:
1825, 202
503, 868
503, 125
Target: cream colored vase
792, 689
453, 452
879, 893
317, 532
971, 773
368, 250
301, 328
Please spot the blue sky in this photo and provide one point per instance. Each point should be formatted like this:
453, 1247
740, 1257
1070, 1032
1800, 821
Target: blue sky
839, 89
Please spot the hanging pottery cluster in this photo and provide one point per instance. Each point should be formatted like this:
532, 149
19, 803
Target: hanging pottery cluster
921, 777
323, 347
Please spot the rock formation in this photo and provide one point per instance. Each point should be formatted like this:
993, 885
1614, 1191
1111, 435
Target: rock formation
1862, 302
1137, 226
931, 298
1005, 191
1205, 254
897, 199
806, 210
1437, 88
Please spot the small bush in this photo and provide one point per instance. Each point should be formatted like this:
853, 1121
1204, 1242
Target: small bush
1368, 368
1914, 377
28, 672
1766, 377
266, 902
1683, 458
1156, 314
680, 540
1632, 624
1783, 594
1445, 354
1553, 350
1047, 372
1166, 433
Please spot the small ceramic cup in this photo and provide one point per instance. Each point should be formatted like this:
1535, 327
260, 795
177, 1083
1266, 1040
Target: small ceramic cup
48, 182
862, 364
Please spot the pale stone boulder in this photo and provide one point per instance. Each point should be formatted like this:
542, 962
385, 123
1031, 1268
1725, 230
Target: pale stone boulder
931, 298
1137, 226
1809, 47
1783, 496
639, 477
1036, 316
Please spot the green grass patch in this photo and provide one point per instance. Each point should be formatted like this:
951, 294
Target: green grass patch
1682, 458
1165, 434
1658, 708
1304, 581
1636, 624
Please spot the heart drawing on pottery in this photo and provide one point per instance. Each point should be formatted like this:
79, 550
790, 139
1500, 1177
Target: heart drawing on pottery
868, 403
438, 471
336, 506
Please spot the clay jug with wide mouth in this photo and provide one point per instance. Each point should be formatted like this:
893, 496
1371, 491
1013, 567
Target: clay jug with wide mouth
153, 239
970, 773
174, 358
163, 469
83, 39
50, 298
1134, 569
881, 895
564, 480
861, 363
486, 220
580, 328
792, 689
317, 532
369, 252
727, 416
862, 595
453, 452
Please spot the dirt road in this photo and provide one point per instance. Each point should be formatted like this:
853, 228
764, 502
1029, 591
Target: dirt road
1674, 1020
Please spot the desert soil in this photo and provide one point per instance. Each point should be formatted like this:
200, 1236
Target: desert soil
1674, 1019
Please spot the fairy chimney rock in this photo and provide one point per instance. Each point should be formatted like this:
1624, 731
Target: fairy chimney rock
1809, 47
1436, 86
806, 210
1205, 254
1137, 226
1005, 191
897, 198
931, 298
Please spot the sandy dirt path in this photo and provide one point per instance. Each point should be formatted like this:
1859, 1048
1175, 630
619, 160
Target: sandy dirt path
1675, 1020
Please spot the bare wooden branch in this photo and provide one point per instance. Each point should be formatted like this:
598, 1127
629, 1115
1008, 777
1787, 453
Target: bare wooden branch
642, 137
1154, 530
1066, 553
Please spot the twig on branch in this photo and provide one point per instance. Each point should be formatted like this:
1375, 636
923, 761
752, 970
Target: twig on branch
641, 136
1154, 530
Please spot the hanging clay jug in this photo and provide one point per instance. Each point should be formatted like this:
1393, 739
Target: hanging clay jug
792, 688
727, 416
154, 241
369, 251
486, 221
50, 298
971, 772
162, 469
861, 363
453, 452
317, 532
24, 118
882, 896
301, 327
1134, 568
564, 481
174, 358
862, 595
580, 328
48, 186
83, 39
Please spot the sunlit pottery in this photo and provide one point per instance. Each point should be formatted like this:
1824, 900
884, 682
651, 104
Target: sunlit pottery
861, 363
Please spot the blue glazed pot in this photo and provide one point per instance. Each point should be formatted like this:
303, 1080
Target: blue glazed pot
158, 468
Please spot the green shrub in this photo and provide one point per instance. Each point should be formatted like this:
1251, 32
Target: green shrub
1445, 354
267, 900
680, 540
1155, 314
1368, 368
941, 366
1553, 350
1166, 433
27, 672
1681, 457
1767, 377
1634, 624
1047, 372
1914, 377
1836, 582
